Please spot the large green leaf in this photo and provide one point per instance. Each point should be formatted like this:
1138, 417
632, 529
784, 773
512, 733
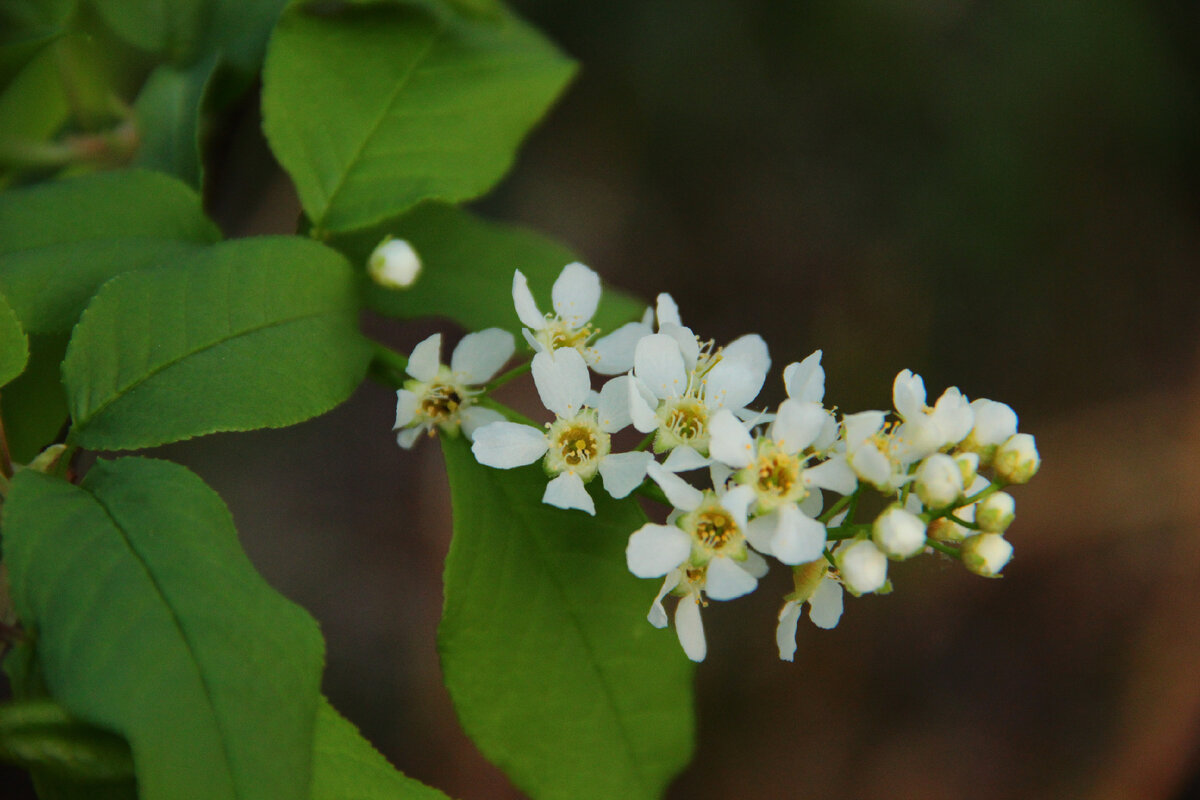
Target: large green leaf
347, 767
168, 113
374, 107
14, 345
151, 622
250, 333
468, 269
553, 669
60, 241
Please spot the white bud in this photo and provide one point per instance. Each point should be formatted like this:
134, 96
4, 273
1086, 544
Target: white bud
996, 512
994, 423
899, 533
939, 481
862, 566
968, 465
986, 554
1017, 459
394, 264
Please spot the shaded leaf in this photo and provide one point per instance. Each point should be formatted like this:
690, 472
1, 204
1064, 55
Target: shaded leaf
14, 345
41, 734
171, 28
553, 669
250, 333
168, 112
35, 405
374, 107
151, 622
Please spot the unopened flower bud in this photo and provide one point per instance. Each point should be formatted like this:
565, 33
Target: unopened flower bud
944, 529
394, 264
968, 465
996, 512
994, 423
863, 568
899, 533
1017, 459
939, 481
986, 554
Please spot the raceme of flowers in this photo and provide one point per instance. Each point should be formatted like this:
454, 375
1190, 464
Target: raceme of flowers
780, 484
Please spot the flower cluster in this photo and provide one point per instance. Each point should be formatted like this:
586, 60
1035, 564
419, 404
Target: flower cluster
781, 484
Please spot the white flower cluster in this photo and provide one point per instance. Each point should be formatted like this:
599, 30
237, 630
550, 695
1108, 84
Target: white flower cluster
783, 485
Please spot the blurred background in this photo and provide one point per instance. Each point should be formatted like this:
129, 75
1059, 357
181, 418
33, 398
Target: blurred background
1002, 197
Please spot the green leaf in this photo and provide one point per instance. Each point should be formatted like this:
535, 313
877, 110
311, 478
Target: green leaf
347, 767
553, 669
41, 734
171, 28
374, 107
34, 405
151, 622
59, 241
468, 269
33, 108
14, 345
250, 333
240, 29
168, 112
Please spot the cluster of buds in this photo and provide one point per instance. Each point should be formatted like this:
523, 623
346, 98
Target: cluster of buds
763, 485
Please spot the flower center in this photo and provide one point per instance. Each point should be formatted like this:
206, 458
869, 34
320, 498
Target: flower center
682, 420
777, 474
441, 401
577, 445
558, 334
714, 528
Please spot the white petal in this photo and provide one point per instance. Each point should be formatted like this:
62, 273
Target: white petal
994, 422
624, 472
953, 416
798, 539
655, 550
872, 466
750, 350
797, 424
805, 380
425, 359
785, 631
614, 352
755, 564
718, 473
679, 492
690, 629
834, 475
475, 417
562, 380
729, 441
908, 394
737, 502
658, 363
738, 377
612, 408
505, 445
642, 405
532, 341
406, 408
480, 355
825, 605
813, 503
916, 438
568, 491
527, 310
862, 426
760, 531
408, 437
725, 580
689, 345
667, 311
828, 434
576, 294
658, 616
684, 459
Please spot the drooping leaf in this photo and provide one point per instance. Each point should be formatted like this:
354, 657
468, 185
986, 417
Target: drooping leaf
14, 345
468, 269
553, 669
250, 333
59, 241
347, 767
168, 113
34, 406
373, 107
150, 621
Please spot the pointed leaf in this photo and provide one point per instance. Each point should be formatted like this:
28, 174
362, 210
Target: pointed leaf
151, 622
373, 107
250, 333
553, 669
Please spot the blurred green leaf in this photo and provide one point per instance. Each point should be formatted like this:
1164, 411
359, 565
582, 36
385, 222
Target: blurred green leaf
35, 405
249, 333
151, 622
59, 241
553, 669
168, 113
14, 345
169, 28
240, 30
374, 107
41, 734
33, 108
468, 269
347, 767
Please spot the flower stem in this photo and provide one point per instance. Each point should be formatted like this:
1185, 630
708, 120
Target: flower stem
943, 548
518, 370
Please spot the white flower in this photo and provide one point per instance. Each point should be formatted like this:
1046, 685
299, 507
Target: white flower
614, 352
938, 480
986, 554
576, 446
394, 264
438, 396
899, 533
824, 597
576, 294
805, 382
996, 512
868, 450
994, 424
862, 565
926, 430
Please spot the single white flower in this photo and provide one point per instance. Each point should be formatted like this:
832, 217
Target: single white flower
577, 445
394, 264
926, 430
868, 450
824, 609
576, 294
439, 396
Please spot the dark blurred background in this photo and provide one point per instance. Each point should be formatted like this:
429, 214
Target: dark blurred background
999, 196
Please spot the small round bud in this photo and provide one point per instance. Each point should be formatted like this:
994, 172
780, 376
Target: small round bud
986, 554
394, 264
939, 481
996, 512
1017, 459
968, 465
994, 423
862, 566
899, 533
947, 530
